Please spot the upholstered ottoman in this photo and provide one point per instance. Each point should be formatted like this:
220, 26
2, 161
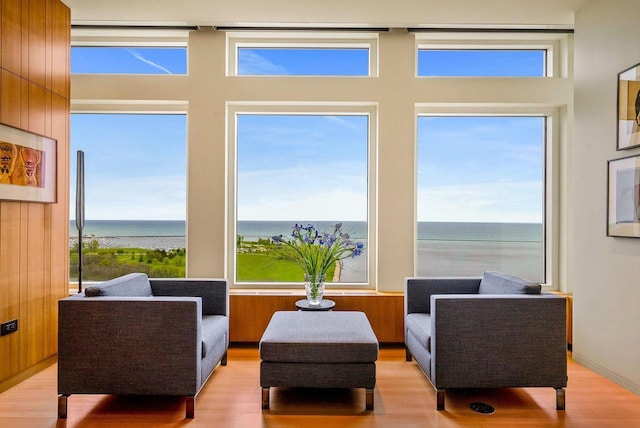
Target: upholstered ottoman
318, 350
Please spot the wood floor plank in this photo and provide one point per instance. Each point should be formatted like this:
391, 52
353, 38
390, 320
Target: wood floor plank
403, 398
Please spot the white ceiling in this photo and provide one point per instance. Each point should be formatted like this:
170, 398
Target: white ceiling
551, 14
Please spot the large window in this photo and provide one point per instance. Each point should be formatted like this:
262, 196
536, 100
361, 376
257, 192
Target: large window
303, 62
135, 191
304, 169
128, 60
277, 53
480, 195
491, 54
482, 62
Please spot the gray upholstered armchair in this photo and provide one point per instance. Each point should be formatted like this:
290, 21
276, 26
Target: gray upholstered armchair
490, 332
135, 336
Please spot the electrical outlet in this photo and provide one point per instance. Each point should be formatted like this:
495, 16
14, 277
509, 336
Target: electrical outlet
8, 327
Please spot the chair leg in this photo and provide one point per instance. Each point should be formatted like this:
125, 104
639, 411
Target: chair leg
265, 398
62, 406
560, 392
191, 407
440, 393
369, 399
223, 361
408, 354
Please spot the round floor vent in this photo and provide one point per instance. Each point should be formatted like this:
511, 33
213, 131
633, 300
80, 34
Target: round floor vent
485, 408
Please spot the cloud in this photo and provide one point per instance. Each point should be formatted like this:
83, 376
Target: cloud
139, 57
344, 122
146, 198
303, 193
251, 63
514, 202
331, 204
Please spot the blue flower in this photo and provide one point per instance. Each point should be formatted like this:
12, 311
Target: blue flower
296, 230
357, 250
317, 252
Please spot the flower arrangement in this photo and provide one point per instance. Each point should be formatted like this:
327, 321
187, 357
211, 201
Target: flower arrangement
316, 252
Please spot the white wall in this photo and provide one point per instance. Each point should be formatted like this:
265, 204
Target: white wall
397, 13
604, 271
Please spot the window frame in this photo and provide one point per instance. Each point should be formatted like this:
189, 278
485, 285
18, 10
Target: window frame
550, 43
551, 173
233, 110
123, 108
299, 40
130, 38
432, 49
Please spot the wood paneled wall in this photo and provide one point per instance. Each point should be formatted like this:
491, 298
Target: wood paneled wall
34, 238
249, 313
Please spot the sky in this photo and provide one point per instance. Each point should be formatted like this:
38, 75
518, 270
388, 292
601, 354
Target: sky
485, 169
480, 169
302, 167
135, 166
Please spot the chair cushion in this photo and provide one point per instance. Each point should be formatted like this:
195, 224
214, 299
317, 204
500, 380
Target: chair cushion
131, 285
501, 283
419, 325
319, 337
214, 330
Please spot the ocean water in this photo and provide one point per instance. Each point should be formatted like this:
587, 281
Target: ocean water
167, 234
443, 249
252, 230
468, 249
130, 228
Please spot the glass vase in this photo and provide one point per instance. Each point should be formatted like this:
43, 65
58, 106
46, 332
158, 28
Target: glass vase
314, 287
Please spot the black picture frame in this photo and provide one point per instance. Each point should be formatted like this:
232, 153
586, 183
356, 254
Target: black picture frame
623, 197
628, 108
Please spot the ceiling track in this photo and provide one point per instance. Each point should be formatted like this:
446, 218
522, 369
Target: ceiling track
489, 30
332, 29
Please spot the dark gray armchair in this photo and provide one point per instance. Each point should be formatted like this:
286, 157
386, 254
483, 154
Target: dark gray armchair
135, 336
490, 332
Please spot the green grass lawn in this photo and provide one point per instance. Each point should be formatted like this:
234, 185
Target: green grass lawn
269, 267
100, 264
266, 268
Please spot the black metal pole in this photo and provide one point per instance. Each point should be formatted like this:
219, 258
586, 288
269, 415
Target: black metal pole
79, 260
80, 211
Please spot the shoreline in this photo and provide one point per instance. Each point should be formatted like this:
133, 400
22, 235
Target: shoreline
435, 257
146, 242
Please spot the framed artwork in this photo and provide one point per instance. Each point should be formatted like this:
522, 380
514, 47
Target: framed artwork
623, 197
28, 165
629, 108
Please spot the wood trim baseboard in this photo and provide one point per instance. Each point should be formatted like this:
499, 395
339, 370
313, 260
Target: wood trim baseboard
26, 374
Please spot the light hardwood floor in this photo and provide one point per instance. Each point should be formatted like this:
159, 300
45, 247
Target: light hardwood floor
403, 398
